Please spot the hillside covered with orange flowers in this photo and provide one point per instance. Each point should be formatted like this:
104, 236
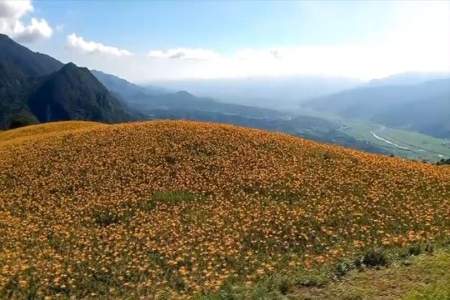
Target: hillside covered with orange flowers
177, 209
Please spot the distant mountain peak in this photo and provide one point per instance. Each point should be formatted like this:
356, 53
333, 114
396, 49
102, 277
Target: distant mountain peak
70, 65
4, 37
71, 68
184, 93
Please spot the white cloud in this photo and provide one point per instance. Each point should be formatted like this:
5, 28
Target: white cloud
417, 39
185, 53
36, 30
15, 9
79, 43
11, 14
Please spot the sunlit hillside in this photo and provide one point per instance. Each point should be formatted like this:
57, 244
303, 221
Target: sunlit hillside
44, 130
175, 208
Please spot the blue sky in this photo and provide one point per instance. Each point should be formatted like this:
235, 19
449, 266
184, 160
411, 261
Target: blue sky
146, 40
221, 25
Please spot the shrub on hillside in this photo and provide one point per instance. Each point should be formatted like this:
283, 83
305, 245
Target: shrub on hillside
443, 162
375, 258
21, 120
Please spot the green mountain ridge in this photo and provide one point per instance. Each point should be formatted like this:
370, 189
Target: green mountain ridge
73, 93
31, 63
37, 88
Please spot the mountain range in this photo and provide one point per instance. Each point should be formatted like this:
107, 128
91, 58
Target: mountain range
279, 93
153, 100
422, 106
408, 78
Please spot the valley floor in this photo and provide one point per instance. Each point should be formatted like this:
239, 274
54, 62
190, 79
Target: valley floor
403, 143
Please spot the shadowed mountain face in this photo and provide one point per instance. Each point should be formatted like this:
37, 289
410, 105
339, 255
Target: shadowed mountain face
37, 88
73, 93
14, 88
30, 63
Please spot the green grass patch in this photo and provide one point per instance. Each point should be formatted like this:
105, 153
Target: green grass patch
169, 198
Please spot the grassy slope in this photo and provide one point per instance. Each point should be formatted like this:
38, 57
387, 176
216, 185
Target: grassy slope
422, 277
179, 208
409, 277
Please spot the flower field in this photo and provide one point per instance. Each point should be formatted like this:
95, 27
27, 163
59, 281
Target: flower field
43, 130
172, 209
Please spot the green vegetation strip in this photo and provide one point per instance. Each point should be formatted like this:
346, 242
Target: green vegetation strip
415, 273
